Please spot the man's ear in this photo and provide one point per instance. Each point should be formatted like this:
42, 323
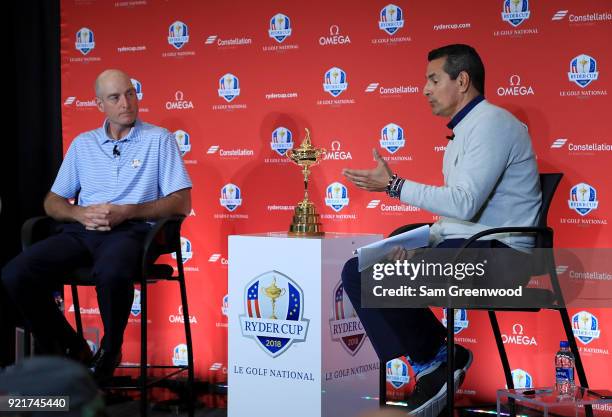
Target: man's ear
100, 104
464, 81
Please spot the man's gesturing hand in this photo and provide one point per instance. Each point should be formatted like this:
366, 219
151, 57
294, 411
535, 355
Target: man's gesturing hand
371, 179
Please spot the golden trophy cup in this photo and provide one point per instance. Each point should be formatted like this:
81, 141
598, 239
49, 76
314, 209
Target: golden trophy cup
273, 292
306, 221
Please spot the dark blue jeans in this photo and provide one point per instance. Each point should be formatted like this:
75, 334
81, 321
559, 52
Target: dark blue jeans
31, 277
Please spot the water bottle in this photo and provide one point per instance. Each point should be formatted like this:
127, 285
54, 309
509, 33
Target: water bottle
59, 301
564, 375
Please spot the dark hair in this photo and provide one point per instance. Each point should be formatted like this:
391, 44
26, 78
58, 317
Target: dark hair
459, 58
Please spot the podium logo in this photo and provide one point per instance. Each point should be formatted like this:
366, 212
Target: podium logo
391, 19
336, 196
280, 27
583, 70
392, 138
183, 141
136, 307
282, 140
186, 250
344, 325
231, 197
515, 12
178, 34
229, 87
521, 379
85, 42
274, 308
334, 81
397, 373
180, 355
586, 327
461, 321
138, 87
583, 199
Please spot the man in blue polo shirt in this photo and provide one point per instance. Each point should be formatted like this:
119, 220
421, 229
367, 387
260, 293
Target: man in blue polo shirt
490, 180
126, 174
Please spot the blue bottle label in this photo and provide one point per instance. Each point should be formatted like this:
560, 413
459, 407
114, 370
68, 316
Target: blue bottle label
565, 374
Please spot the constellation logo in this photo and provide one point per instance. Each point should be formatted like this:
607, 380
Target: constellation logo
183, 140
515, 12
210, 40
213, 149
179, 102
583, 70
373, 204
394, 91
280, 27
583, 198
85, 41
334, 38
336, 196
558, 143
230, 153
515, 88
559, 15
560, 269
371, 87
69, 100
391, 19
138, 87
334, 81
229, 87
178, 34
518, 337
215, 257
336, 154
227, 43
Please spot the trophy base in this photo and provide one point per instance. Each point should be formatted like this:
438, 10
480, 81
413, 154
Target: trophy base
306, 221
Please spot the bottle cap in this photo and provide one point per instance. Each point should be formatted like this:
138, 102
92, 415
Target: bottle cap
564, 344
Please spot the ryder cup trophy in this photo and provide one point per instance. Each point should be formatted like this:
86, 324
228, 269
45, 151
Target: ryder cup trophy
305, 219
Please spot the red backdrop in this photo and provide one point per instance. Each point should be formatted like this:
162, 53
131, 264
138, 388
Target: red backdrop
549, 64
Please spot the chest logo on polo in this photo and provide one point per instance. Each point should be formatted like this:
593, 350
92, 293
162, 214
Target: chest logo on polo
136, 163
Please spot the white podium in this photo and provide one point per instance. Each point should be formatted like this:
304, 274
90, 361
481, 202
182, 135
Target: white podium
296, 346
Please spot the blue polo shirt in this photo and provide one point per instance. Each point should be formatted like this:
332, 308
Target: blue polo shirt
146, 165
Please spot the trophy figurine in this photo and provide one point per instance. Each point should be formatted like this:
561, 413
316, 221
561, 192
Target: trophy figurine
273, 292
305, 219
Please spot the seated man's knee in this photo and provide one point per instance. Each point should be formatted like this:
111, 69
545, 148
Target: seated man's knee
14, 275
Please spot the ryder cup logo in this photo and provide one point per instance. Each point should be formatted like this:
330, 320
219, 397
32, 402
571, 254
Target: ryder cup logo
391, 19
137, 87
225, 305
274, 307
186, 250
521, 379
583, 199
397, 373
392, 138
282, 140
585, 327
231, 197
334, 81
280, 27
136, 307
178, 34
336, 196
344, 324
515, 12
85, 41
229, 87
183, 141
583, 70
461, 321
179, 355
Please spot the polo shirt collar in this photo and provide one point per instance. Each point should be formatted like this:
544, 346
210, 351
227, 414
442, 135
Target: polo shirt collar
464, 111
132, 134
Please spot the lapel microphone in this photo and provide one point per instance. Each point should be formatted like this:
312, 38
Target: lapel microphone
116, 151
